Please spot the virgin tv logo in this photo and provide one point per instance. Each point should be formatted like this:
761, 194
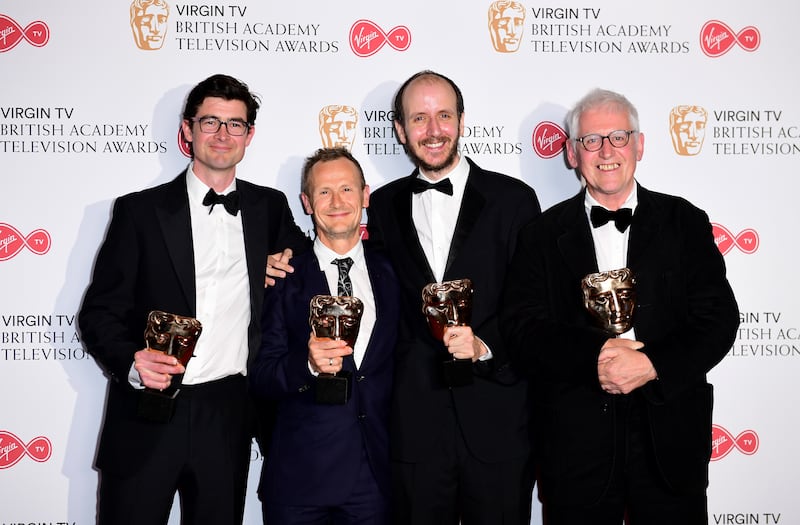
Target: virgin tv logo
723, 442
12, 241
367, 38
746, 241
12, 449
717, 38
36, 33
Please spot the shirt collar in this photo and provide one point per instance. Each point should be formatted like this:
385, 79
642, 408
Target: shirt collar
631, 202
458, 175
197, 189
325, 255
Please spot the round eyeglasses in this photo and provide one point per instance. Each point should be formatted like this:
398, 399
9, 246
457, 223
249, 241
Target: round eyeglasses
594, 141
234, 126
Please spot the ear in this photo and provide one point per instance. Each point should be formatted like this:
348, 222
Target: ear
365, 198
186, 128
640, 146
572, 155
306, 204
250, 132
401, 134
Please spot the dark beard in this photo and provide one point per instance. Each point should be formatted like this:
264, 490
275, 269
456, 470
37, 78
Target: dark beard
433, 168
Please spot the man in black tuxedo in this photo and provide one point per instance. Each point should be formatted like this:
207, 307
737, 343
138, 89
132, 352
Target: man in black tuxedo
458, 452
328, 459
622, 424
185, 249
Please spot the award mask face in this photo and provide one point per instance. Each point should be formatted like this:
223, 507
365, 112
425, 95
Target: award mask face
336, 317
611, 299
447, 304
172, 334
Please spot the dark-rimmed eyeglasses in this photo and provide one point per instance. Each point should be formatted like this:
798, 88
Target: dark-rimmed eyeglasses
594, 141
235, 126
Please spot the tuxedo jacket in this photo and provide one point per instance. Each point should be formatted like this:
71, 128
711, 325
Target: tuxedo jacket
316, 450
147, 263
685, 315
491, 411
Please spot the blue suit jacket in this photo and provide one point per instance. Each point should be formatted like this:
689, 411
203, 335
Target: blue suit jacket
315, 450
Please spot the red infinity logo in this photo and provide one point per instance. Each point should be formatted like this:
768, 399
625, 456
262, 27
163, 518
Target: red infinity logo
723, 442
716, 38
12, 449
747, 240
367, 38
11, 33
12, 241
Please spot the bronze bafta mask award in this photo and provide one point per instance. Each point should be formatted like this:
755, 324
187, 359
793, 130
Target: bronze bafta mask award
610, 298
335, 317
449, 304
174, 335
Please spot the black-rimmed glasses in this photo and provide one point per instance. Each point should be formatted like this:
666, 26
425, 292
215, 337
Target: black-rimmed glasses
234, 126
594, 141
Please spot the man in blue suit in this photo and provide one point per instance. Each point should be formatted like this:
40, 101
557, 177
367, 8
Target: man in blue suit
329, 463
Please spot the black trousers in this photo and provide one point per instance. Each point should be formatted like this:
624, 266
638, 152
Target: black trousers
454, 487
637, 494
206, 462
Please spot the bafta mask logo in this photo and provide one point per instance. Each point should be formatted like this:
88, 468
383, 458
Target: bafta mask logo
149, 23
447, 304
336, 317
172, 334
506, 22
611, 299
687, 127
337, 126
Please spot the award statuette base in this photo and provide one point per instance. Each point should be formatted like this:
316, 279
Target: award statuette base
333, 389
457, 372
155, 406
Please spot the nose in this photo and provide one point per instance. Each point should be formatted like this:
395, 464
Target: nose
452, 313
614, 305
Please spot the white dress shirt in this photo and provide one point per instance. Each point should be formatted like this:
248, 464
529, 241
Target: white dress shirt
435, 215
611, 245
222, 290
362, 288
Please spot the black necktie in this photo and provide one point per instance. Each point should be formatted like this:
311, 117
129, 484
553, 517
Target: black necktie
345, 285
230, 201
444, 185
622, 217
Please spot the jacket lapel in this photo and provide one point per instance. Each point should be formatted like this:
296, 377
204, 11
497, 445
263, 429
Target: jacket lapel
644, 228
575, 243
402, 205
471, 206
176, 229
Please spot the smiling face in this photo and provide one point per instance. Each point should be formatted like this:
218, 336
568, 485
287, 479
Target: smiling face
609, 171
431, 125
217, 154
335, 199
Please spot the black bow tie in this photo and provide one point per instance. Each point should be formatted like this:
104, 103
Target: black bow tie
622, 217
230, 201
444, 185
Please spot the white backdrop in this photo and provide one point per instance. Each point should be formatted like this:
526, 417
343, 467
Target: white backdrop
86, 115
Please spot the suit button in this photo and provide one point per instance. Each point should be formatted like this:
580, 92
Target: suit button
362, 416
360, 378
303, 388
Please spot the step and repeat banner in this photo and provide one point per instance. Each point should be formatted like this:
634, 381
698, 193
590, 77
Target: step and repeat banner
90, 104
